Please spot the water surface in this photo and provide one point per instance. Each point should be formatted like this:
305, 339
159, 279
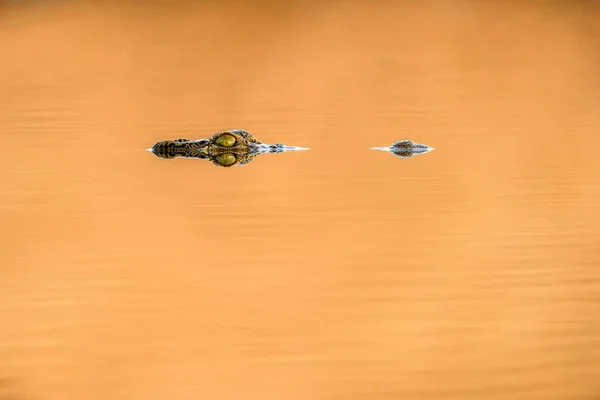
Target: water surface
470, 272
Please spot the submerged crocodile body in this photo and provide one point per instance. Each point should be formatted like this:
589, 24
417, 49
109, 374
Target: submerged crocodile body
406, 148
224, 149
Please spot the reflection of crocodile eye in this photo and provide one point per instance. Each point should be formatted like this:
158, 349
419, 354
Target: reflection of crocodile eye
226, 140
226, 160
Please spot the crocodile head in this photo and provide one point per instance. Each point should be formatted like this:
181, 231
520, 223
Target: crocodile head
405, 148
224, 149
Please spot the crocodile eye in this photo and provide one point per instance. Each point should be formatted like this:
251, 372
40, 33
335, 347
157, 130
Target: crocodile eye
226, 140
226, 160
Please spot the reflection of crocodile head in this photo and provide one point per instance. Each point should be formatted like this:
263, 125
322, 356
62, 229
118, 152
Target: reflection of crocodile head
405, 148
224, 149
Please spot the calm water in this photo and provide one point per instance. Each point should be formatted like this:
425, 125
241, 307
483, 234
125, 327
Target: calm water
470, 272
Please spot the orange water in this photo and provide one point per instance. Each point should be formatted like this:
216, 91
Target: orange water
470, 272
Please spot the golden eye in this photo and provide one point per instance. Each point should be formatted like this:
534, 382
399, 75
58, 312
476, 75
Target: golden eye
226, 140
226, 160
